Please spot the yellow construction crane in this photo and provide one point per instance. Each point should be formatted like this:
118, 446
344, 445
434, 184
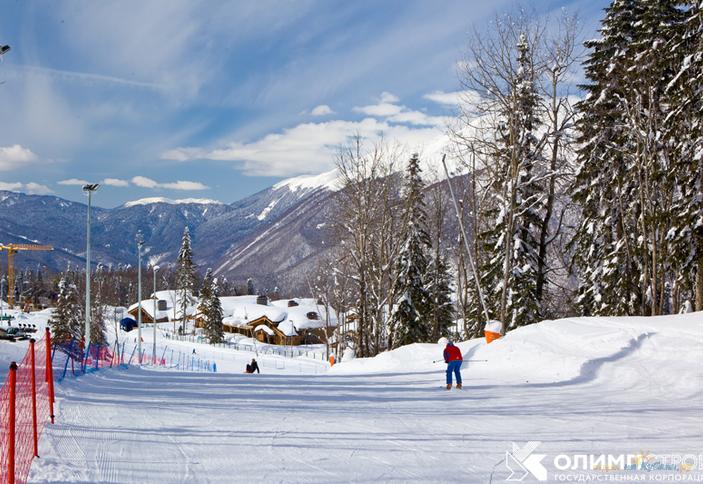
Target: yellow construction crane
11, 250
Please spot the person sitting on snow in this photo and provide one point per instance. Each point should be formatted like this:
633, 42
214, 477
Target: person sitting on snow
253, 366
453, 359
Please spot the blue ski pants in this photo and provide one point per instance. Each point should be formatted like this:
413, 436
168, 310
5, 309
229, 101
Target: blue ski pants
454, 367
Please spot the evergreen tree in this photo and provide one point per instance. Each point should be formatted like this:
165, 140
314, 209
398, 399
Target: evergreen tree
604, 242
66, 322
509, 241
440, 307
98, 329
628, 181
685, 133
211, 309
251, 290
410, 321
185, 275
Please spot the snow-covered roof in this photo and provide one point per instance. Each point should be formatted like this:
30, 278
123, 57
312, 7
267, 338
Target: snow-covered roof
301, 301
230, 303
309, 317
287, 328
173, 306
264, 328
239, 311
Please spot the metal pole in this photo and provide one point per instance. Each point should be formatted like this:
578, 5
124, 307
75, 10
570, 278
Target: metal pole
33, 379
11, 421
139, 297
87, 276
89, 189
466, 240
154, 269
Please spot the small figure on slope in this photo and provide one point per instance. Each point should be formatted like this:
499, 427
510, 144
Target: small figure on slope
453, 359
253, 366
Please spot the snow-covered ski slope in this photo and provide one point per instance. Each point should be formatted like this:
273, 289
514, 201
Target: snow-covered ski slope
581, 386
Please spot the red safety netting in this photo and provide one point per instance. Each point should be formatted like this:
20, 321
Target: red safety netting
25, 410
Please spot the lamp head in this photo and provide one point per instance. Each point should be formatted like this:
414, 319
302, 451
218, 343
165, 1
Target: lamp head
91, 187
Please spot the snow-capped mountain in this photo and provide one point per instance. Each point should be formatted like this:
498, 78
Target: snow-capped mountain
265, 236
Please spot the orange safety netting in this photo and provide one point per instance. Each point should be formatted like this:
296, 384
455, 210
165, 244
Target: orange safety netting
26, 413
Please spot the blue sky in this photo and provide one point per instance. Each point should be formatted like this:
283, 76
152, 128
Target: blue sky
214, 99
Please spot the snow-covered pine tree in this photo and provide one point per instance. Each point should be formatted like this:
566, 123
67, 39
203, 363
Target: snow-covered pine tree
251, 290
509, 244
627, 182
604, 242
440, 306
685, 132
66, 322
185, 275
649, 159
410, 321
211, 309
98, 329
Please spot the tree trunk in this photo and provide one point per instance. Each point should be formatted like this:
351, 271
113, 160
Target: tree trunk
699, 284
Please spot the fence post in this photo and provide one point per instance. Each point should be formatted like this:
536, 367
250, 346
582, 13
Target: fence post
50, 374
34, 397
12, 380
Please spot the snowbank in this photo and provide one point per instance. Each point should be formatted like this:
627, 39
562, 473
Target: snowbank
658, 349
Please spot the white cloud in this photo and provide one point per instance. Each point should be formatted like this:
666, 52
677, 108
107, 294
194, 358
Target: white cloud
387, 97
321, 110
184, 185
37, 189
454, 98
144, 182
15, 156
32, 188
312, 147
183, 154
74, 181
396, 113
381, 109
115, 182
11, 186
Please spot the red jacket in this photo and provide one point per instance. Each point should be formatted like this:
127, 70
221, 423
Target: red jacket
452, 353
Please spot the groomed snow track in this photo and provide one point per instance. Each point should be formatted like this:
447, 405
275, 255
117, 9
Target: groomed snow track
156, 426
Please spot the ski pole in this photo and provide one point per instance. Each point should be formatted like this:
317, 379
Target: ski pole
470, 361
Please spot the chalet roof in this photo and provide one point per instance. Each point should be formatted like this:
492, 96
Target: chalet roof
264, 328
287, 328
173, 300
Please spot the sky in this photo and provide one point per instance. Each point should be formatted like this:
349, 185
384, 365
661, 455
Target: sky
218, 100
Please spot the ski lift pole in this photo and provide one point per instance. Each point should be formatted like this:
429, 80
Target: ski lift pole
466, 240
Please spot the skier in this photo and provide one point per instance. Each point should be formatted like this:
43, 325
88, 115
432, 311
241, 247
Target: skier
453, 359
253, 367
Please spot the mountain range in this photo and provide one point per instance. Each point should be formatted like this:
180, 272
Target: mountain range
269, 236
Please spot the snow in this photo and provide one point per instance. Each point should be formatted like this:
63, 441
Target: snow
578, 386
328, 180
264, 213
181, 201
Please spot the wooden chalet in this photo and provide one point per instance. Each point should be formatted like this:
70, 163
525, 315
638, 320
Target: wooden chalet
147, 318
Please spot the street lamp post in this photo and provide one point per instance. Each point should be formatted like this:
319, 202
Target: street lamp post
3, 284
89, 189
154, 269
140, 243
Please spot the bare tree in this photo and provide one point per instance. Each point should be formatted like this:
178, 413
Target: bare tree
514, 138
367, 230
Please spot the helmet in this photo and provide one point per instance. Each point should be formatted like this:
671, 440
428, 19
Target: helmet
442, 341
